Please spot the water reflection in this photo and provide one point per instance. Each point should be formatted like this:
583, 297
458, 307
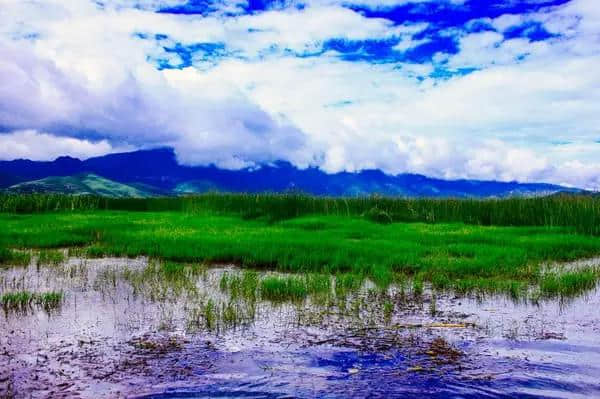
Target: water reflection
128, 327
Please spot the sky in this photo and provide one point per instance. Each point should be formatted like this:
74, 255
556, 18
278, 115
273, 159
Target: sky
480, 89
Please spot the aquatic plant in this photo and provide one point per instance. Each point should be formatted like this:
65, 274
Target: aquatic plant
172, 270
440, 281
159, 281
22, 301
462, 247
5, 255
294, 288
244, 285
388, 311
50, 257
568, 284
17, 301
230, 315
417, 287
382, 276
280, 288
14, 258
209, 313
49, 300
433, 306
108, 278
346, 283
318, 283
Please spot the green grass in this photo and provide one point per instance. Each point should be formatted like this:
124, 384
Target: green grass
579, 212
159, 281
50, 300
14, 258
318, 236
346, 283
294, 288
283, 288
18, 301
210, 315
22, 301
567, 284
240, 286
50, 257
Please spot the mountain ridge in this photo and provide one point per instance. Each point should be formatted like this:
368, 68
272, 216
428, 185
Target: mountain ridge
158, 168
81, 184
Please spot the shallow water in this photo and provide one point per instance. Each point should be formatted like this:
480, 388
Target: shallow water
121, 332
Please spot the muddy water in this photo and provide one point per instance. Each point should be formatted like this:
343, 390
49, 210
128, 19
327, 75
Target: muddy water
124, 330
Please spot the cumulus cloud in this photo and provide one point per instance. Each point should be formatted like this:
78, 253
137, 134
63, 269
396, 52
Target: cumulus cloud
238, 90
205, 124
39, 146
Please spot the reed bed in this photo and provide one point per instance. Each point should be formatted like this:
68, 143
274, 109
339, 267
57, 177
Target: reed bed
582, 212
464, 245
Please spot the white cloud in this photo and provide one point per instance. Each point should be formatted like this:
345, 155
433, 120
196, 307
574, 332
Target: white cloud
39, 146
71, 68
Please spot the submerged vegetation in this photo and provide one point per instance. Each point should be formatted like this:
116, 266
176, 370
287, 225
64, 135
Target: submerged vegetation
466, 246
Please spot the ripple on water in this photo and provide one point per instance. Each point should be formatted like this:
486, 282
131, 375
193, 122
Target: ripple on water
122, 331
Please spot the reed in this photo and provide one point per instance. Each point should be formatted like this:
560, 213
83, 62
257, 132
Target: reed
582, 212
461, 245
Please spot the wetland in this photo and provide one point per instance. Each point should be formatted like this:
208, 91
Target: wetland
213, 302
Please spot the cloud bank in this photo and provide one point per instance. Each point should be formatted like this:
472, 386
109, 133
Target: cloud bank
452, 89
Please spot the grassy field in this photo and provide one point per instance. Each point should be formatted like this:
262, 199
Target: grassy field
580, 213
297, 238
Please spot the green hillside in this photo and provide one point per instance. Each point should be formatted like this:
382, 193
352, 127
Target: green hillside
87, 183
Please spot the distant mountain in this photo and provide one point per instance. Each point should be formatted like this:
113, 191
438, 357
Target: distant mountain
81, 184
158, 171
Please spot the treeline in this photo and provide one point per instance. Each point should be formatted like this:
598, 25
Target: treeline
582, 212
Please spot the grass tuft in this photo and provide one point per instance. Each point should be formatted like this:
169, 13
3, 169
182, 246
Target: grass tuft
22, 301
294, 288
568, 284
14, 258
50, 257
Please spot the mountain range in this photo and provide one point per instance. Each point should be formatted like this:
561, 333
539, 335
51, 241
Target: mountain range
157, 172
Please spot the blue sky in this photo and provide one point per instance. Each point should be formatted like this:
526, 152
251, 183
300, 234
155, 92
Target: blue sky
496, 89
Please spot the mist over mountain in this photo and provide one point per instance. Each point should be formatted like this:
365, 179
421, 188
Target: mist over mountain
157, 172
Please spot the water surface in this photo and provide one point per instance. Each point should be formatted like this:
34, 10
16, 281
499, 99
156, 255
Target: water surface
125, 331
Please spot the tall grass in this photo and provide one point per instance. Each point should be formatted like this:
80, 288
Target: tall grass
580, 212
50, 257
14, 258
568, 284
326, 236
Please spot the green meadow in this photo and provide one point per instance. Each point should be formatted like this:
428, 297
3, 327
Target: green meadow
507, 246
